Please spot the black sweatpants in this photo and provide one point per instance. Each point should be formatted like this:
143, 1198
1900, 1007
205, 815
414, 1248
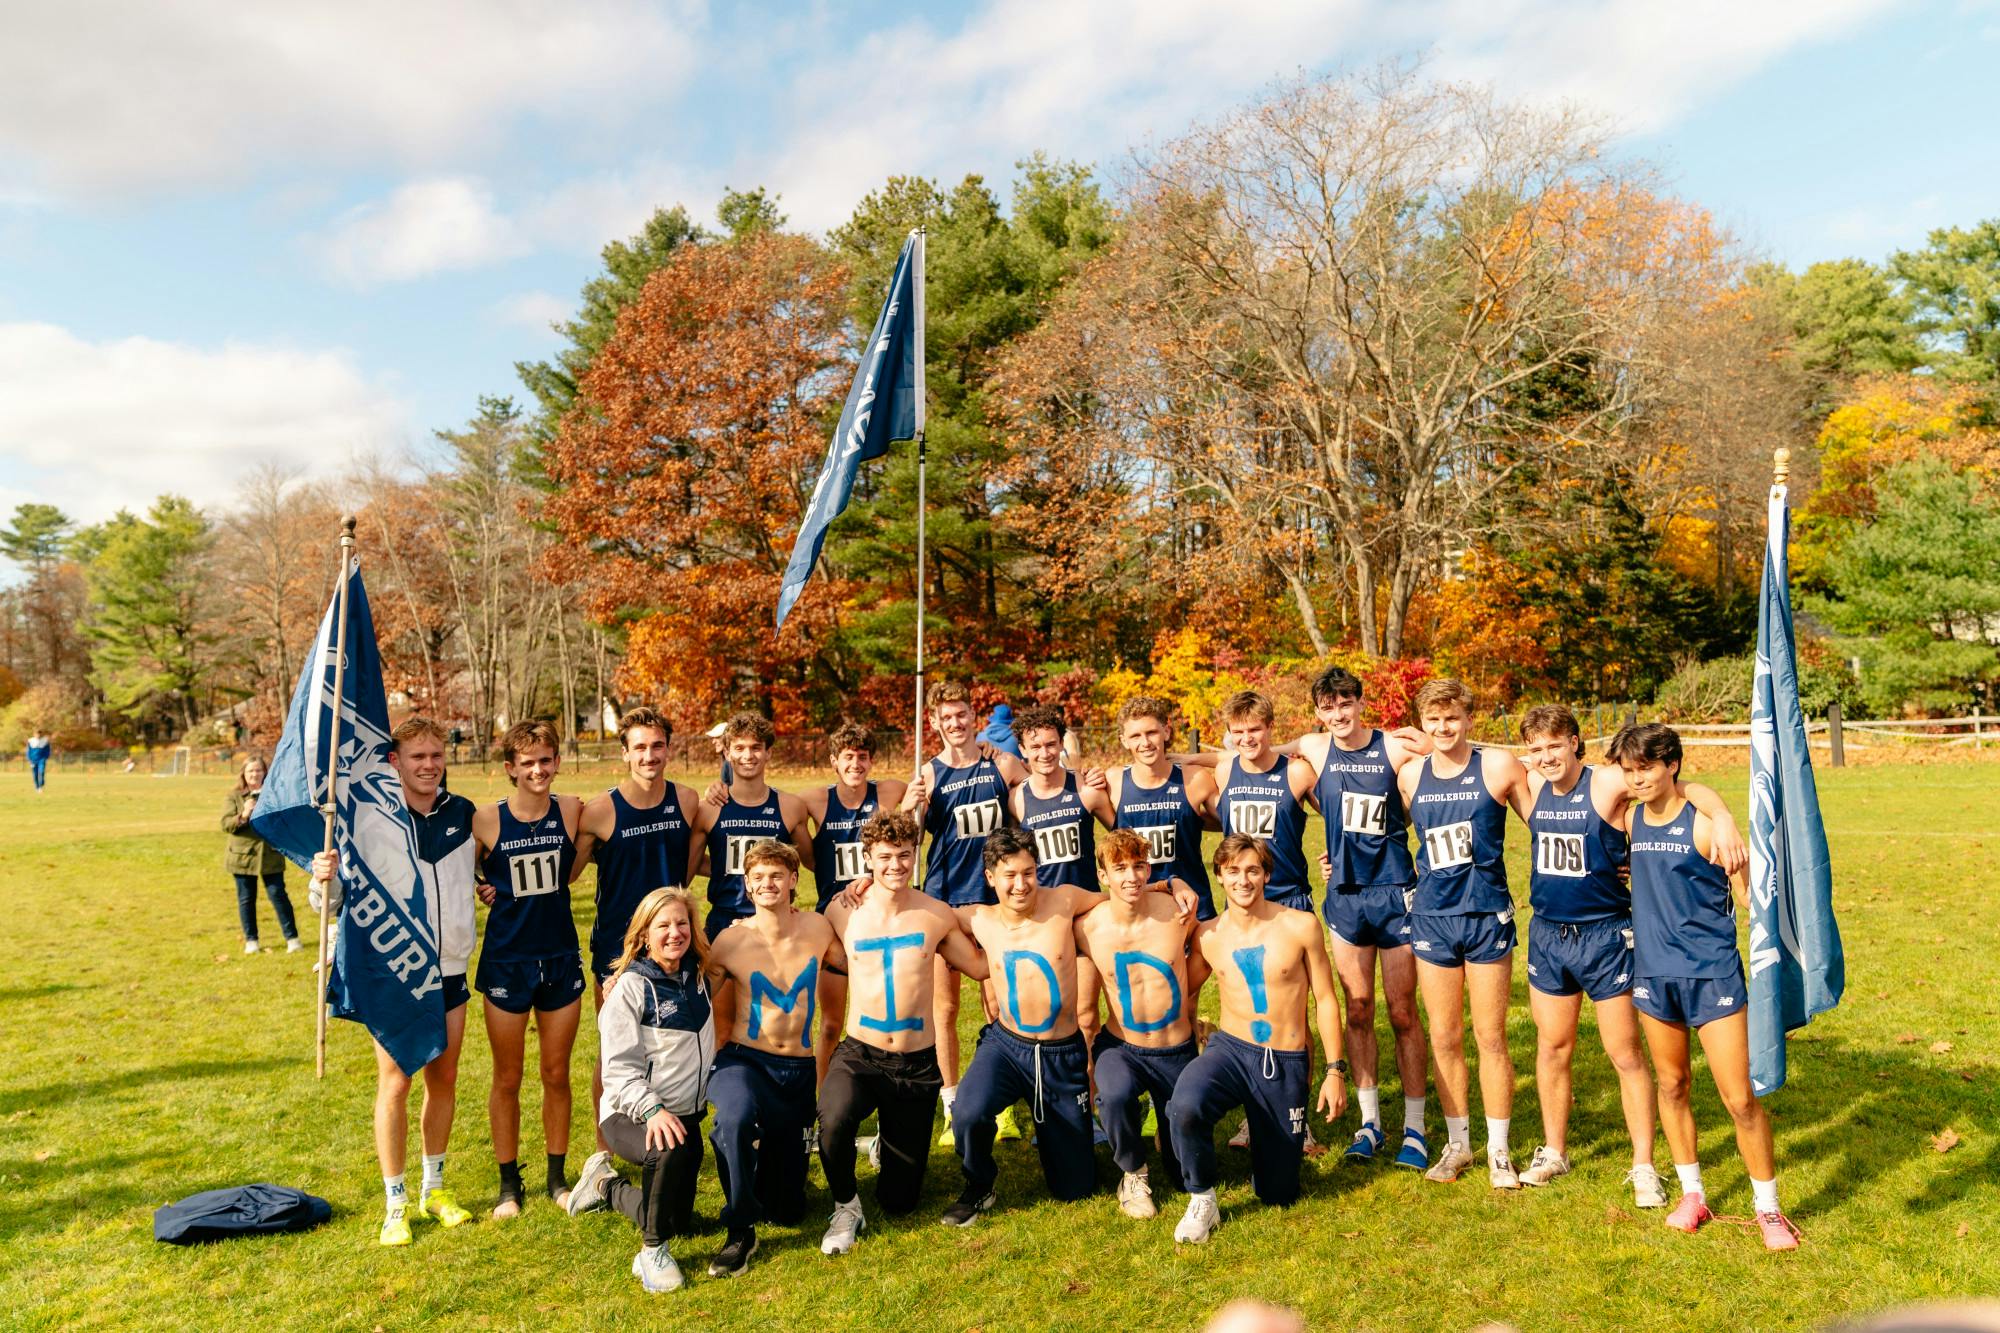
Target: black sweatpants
661, 1205
901, 1088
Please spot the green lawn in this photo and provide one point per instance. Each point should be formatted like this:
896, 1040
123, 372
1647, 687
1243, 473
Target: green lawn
143, 1057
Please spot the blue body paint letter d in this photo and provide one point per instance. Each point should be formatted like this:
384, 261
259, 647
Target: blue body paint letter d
1123, 962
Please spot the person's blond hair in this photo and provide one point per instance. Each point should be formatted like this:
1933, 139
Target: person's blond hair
1443, 690
650, 906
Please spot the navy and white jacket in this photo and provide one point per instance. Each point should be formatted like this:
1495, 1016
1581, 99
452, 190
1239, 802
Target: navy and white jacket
446, 855
657, 1035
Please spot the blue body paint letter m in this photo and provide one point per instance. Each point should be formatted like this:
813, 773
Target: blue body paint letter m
1123, 962
887, 946
1250, 962
762, 989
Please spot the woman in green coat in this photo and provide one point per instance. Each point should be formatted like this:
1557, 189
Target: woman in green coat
250, 858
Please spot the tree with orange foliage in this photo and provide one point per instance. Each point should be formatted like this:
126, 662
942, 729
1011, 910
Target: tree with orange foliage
682, 475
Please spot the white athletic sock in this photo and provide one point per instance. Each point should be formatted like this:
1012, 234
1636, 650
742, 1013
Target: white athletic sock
392, 1188
1690, 1174
1458, 1129
433, 1172
949, 1095
1765, 1192
1413, 1113
1371, 1105
1496, 1135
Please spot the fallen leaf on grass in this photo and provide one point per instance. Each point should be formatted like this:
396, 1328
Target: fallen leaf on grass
45, 1154
1076, 1288
1940, 1047
1882, 1073
1905, 1038
1616, 1214
1966, 1074
1964, 1230
1946, 1141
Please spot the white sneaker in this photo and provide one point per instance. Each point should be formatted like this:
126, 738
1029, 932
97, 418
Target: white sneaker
1647, 1191
656, 1270
1500, 1172
251, 946
293, 945
1545, 1166
587, 1195
874, 1150
847, 1225
1199, 1222
1453, 1160
1135, 1195
1241, 1138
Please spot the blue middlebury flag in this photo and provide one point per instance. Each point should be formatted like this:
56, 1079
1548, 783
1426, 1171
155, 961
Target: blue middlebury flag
1797, 968
385, 963
885, 403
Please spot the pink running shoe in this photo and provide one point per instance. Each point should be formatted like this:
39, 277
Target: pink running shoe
1779, 1233
1690, 1213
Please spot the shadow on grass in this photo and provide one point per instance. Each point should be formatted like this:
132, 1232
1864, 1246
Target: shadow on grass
131, 1080
35, 992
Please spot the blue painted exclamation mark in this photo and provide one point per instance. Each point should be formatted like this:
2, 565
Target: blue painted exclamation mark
1250, 962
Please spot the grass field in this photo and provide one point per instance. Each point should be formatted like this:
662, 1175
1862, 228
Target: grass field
144, 1057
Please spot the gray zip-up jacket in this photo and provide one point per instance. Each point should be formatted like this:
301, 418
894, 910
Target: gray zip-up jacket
657, 1035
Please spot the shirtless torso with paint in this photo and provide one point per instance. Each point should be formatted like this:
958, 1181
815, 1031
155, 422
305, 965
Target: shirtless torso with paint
1138, 942
772, 962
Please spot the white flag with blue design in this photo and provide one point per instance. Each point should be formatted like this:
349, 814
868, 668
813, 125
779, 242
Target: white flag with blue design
1797, 968
385, 964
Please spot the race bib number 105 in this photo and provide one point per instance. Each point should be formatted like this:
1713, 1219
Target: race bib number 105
1160, 842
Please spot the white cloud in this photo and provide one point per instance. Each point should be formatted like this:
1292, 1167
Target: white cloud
534, 310
93, 426
1868, 229
425, 227
117, 96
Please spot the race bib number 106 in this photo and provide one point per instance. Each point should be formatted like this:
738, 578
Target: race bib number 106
1059, 845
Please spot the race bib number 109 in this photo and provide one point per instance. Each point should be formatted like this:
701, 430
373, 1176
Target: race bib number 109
1559, 854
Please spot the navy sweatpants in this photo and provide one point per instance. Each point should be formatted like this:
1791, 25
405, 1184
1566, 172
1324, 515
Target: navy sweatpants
1125, 1073
1271, 1087
764, 1108
1053, 1078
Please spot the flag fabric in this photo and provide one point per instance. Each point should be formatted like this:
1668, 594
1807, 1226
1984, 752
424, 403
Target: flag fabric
385, 961
885, 403
1797, 968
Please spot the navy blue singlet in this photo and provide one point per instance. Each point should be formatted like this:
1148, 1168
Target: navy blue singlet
966, 806
1461, 841
528, 868
1366, 829
1576, 858
1683, 919
1262, 805
1065, 835
837, 859
648, 849
737, 828
1172, 828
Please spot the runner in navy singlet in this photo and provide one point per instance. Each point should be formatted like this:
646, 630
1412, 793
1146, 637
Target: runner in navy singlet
1690, 976
751, 810
838, 811
1369, 880
1261, 794
1462, 920
528, 961
961, 797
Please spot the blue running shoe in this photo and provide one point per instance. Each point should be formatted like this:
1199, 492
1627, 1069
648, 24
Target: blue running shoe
1416, 1150
1367, 1140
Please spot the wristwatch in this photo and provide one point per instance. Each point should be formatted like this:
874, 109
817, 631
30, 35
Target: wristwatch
1340, 1067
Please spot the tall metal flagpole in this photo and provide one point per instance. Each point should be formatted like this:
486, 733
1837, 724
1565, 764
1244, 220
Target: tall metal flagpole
331, 807
917, 732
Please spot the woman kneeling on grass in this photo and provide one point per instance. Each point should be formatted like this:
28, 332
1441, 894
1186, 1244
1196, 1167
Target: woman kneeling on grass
656, 1033
1687, 975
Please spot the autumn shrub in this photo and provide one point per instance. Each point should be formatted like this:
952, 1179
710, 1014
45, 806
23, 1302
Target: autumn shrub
1717, 690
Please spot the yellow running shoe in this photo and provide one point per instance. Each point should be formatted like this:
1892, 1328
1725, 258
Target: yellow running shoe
395, 1228
946, 1139
438, 1205
1004, 1127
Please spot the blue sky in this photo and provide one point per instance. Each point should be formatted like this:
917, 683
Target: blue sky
304, 233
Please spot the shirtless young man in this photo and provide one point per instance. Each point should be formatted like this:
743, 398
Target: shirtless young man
751, 810
762, 1085
640, 836
1266, 959
1138, 942
1033, 1049
838, 811
887, 1063
1580, 937
961, 796
1369, 877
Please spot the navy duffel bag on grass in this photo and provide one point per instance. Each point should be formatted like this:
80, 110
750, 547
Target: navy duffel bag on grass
246, 1210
